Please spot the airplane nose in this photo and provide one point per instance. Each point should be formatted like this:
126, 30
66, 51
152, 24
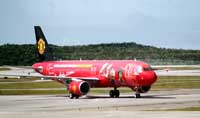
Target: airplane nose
153, 77
149, 77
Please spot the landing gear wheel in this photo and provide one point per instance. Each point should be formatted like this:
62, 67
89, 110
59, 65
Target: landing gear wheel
76, 96
137, 95
72, 96
112, 93
116, 93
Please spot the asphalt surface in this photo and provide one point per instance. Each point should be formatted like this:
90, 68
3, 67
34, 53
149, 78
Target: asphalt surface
178, 73
101, 105
24, 71
150, 105
170, 72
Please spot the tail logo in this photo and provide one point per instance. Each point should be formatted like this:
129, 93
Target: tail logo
41, 46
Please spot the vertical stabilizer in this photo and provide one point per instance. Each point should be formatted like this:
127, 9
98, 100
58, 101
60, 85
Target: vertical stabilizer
43, 51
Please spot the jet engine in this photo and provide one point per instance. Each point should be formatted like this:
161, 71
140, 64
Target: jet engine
144, 89
79, 88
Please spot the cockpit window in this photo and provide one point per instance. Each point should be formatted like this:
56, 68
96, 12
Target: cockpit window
139, 69
147, 68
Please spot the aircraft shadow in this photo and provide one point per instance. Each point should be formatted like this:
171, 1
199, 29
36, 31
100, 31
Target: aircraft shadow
122, 97
128, 96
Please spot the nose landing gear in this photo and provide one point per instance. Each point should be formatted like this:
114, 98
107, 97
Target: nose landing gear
114, 93
137, 95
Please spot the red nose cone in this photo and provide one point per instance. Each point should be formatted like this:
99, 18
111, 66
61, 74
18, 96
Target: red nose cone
149, 77
154, 77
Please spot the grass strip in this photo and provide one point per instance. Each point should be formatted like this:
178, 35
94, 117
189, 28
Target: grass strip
18, 80
185, 109
163, 82
174, 82
31, 85
32, 92
178, 109
4, 69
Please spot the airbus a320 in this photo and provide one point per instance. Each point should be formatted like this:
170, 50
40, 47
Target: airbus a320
81, 75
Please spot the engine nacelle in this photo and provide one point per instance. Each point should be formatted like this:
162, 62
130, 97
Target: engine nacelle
142, 89
79, 87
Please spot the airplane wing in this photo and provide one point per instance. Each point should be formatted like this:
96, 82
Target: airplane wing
52, 77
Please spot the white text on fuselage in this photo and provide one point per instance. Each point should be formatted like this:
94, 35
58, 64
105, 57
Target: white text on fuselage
72, 65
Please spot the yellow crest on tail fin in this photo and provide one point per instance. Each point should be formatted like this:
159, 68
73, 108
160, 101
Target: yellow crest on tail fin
41, 46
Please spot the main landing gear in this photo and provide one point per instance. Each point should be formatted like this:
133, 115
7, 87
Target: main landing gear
114, 93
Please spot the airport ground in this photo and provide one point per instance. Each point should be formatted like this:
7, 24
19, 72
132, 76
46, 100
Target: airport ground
155, 104
171, 97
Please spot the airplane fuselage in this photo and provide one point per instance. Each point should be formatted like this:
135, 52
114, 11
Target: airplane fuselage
110, 73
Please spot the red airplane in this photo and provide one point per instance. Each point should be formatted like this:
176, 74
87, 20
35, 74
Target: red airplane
81, 75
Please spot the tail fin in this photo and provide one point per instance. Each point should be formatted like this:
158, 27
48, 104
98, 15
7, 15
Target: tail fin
43, 51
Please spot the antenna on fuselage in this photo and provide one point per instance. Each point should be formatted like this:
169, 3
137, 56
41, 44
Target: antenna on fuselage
135, 59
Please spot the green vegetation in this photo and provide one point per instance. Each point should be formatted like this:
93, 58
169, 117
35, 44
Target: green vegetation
32, 92
26, 86
185, 109
174, 82
26, 54
18, 80
178, 109
3, 69
31, 85
49, 91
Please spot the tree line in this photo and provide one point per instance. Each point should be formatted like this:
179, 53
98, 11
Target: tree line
12, 54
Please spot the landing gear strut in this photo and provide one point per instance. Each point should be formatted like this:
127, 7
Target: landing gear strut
114, 93
137, 90
137, 95
72, 96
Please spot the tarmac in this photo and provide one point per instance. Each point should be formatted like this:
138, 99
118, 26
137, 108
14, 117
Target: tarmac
153, 104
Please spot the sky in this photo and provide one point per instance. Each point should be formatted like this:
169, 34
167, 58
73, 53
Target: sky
160, 23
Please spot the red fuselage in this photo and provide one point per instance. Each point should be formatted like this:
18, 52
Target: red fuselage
110, 73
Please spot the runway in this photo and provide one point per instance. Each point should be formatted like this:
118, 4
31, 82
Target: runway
101, 105
195, 71
152, 104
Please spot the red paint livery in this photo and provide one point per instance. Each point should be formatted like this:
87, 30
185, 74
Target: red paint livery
80, 76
